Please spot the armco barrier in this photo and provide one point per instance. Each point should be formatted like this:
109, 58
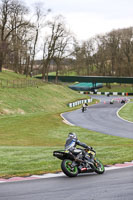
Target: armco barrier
76, 103
111, 93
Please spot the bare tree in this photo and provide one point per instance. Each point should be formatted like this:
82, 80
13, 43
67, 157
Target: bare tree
55, 45
63, 46
88, 51
79, 62
12, 20
40, 15
101, 56
127, 50
5, 13
18, 12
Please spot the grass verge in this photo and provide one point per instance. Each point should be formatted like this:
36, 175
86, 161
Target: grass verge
127, 112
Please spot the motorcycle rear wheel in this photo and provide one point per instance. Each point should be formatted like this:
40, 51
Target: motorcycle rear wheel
68, 169
99, 167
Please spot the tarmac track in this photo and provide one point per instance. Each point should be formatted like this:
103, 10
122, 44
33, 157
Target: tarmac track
102, 117
112, 185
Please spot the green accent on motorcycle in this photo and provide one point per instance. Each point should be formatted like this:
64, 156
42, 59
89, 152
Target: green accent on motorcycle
99, 165
68, 167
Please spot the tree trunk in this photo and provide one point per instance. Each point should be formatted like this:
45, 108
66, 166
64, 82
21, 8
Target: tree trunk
56, 79
1, 61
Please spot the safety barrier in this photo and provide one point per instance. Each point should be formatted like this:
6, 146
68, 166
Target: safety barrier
76, 103
109, 93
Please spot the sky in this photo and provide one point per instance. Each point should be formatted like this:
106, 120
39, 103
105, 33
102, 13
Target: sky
87, 18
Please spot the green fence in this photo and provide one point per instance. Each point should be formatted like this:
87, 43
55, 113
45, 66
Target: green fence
20, 83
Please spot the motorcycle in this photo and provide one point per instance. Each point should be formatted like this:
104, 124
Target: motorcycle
84, 107
79, 162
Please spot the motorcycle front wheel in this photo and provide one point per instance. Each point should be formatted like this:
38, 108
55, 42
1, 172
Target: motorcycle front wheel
99, 167
68, 169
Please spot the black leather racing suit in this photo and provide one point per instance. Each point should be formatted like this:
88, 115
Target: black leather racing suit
72, 142
71, 146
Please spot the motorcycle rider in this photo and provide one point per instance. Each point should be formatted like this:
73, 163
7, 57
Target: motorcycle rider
71, 143
84, 106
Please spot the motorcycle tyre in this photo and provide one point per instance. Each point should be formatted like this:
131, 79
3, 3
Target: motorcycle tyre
97, 169
66, 171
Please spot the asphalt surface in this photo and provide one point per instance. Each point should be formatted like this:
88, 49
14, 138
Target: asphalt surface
102, 118
113, 185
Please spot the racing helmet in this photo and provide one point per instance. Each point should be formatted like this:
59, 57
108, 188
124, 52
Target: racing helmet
72, 135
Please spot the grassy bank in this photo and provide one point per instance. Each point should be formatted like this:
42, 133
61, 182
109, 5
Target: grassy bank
31, 128
9, 75
127, 112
